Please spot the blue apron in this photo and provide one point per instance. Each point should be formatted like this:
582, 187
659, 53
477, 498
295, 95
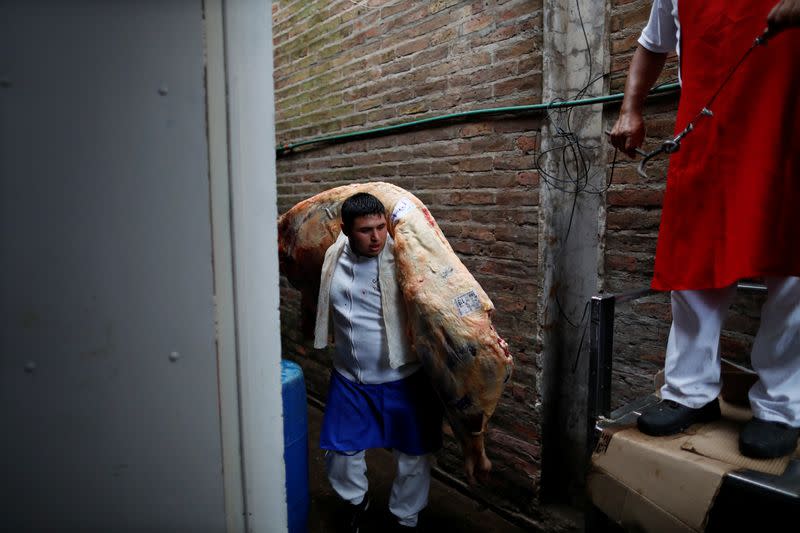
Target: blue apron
404, 415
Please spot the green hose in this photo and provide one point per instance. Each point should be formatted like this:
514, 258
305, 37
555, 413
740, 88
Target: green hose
343, 137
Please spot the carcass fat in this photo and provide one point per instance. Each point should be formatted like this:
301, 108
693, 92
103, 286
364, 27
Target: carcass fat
449, 313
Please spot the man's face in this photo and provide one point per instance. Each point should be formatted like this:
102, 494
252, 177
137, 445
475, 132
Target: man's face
368, 235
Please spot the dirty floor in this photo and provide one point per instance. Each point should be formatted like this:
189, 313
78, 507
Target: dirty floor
448, 509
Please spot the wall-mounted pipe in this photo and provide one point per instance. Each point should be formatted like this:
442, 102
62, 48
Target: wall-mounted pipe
287, 148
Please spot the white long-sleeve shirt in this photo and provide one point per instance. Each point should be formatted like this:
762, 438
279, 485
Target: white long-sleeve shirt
362, 296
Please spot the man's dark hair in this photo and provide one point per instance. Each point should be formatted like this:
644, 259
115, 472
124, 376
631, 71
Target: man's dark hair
359, 205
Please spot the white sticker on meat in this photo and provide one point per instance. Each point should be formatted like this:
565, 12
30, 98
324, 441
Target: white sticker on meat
467, 303
401, 208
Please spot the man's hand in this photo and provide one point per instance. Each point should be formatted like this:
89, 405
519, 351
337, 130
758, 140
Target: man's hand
785, 14
628, 133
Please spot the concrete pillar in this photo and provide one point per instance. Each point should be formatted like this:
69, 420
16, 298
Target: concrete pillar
571, 224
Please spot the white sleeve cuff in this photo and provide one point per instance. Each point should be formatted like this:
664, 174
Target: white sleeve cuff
653, 46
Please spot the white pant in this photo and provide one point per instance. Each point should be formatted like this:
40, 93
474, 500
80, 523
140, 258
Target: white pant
692, 367
348, 476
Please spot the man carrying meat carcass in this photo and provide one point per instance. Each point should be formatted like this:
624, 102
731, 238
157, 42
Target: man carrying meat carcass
730, 205
378, 395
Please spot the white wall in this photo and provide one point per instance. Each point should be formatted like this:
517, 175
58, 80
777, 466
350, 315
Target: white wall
109, 395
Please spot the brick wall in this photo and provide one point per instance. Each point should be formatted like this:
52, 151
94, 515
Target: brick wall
345, 65
634, 212
351, 64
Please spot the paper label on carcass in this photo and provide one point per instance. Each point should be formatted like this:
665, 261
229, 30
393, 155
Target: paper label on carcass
467, 303
401, 208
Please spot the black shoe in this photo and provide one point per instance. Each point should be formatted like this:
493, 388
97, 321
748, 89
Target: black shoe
767, 440
397, 527
668, 417
357, 513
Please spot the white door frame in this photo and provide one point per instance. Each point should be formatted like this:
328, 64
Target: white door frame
241, 131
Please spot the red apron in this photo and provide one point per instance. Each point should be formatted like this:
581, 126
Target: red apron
733, 190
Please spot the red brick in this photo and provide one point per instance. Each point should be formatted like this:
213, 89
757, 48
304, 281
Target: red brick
527, 143
527, 178
413, 15
481, 128
516, 50
412, 47
509, 162
632, 18
530, 65
431, 55
428, 26
621, 262
398, 96
513, 86
389, 9
479, 233
468, 198
397, 66
624, 174
500, 34
381, 114
443, 167
371, 103
429, 88
445, 103
444, 35
437, 149
426, 136
493, 143
482, 75
659, 310
517, 11
518, 198
477, 23
633, 219
413, 169
475, 164
624, 44
635, 197
518, 234
434, 6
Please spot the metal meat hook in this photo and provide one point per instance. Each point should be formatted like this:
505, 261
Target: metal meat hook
670, 146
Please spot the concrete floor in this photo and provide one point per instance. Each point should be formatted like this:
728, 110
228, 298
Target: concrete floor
448, 509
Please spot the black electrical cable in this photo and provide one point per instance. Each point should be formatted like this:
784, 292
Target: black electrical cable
574, 173
575, 182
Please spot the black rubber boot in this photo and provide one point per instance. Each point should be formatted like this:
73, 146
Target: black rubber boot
767, 440
668, 417
357, 513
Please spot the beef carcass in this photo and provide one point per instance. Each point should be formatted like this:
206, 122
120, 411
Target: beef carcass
449, 313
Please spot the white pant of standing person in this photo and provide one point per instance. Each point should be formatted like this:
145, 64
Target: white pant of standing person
347, 473
692, 367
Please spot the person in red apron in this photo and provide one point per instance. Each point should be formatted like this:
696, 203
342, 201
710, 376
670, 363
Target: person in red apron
733, 190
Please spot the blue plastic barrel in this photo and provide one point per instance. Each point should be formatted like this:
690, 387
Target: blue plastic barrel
295, 444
